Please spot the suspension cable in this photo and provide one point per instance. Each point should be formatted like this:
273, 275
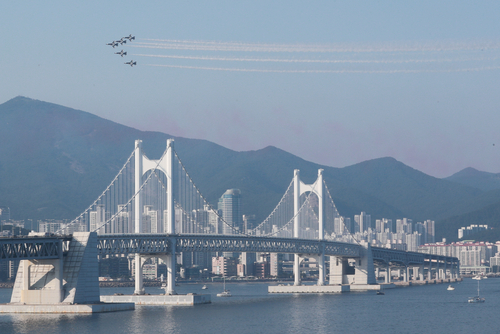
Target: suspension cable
133, 197
102, 194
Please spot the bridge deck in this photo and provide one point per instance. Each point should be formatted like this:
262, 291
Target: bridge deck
51, 247
161, 244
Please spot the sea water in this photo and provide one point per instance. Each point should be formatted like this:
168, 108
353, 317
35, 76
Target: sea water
417, 309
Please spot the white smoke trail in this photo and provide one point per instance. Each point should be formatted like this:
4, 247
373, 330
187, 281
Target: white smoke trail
477, 69
448, 52
321, 61
319, 48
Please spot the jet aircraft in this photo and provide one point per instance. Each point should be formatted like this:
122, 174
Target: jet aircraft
122, 41
121, 53
131, 63
130, 37
113, 44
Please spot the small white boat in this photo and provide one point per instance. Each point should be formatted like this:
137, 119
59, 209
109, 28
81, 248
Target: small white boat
204, 287
477, 277
225, 293
450, 288
477, 299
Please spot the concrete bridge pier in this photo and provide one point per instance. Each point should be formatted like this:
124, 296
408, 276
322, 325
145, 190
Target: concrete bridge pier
39, 281
321, 268
338, 270
296, 270
416, 272
405, 274
67, 284
171, 268
364, 271
139, 262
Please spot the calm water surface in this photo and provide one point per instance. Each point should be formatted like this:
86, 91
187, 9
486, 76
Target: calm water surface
424, 309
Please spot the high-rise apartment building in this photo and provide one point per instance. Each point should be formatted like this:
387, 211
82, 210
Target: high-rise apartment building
97, 219
362, 222
471, 229
151, 222
4, 213
249, 223
430, 230
230, 207
121, 223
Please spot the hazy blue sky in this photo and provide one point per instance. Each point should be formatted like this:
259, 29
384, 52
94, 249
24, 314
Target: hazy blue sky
334, 82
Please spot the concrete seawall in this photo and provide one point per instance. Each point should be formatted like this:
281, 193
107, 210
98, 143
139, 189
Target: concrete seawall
65, 308
425, 282
180, 300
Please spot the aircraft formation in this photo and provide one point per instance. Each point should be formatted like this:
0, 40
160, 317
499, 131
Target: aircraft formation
122, 53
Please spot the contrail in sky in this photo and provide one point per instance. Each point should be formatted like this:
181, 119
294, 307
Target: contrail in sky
348, 58
319, 48
324, 61
327, 71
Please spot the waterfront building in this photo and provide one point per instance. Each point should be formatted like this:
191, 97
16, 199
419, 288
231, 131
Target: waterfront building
240, 270
114, 266
262, 269
150, 271
224, 266
495, 263
247, 260
474, 256
4, 270
8, 270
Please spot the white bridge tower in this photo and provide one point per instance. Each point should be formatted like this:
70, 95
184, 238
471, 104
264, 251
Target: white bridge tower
142, 166
299, 189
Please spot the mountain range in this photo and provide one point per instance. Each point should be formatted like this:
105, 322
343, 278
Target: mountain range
55, 161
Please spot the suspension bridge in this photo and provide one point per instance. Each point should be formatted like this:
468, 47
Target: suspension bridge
152, 208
